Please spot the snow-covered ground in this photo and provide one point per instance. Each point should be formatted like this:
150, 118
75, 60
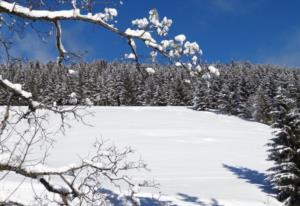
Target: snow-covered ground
199, 158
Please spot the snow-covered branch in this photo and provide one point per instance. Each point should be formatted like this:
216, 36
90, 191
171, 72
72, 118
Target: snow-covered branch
15, 88
59, 43
152, 31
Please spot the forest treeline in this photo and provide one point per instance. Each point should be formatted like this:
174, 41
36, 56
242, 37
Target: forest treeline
242, 89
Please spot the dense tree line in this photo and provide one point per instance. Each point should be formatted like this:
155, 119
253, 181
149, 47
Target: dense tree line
107, 84
247, 90
242, 89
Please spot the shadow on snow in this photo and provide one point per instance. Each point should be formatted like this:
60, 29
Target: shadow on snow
253, 177
115, 200
148, 201
197, 201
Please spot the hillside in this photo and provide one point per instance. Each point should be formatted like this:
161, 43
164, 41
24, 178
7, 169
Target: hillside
199, 158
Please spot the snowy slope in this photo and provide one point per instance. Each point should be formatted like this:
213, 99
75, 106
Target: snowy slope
199, 158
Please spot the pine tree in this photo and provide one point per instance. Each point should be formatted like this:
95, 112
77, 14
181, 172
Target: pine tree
213, 92
262, 106
225, 99
285, 150
158, 98
201, 97
242, 95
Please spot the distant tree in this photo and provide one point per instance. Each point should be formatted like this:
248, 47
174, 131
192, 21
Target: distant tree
213, 91
242, 92
225, 100
201, 99
177, 94
262, 106
159, 98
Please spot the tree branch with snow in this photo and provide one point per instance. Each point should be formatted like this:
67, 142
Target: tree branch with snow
153, 31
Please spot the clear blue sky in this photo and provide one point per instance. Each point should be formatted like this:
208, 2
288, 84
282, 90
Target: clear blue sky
261, 31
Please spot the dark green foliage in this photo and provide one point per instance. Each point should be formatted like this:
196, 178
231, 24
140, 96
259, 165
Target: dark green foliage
202, 101
112, 84
285, 149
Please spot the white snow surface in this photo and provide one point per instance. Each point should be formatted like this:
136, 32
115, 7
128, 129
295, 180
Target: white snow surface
199, 158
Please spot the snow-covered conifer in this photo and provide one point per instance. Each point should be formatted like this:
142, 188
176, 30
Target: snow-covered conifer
285, 149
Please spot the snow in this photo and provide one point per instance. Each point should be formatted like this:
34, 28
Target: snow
166, 43
206, 76
74, 3
139, 33
16, 87
178, 64
166, 24
194, 60
73, 95
4, 157
189, 66
35, 104
41, 168
88, 102
150, 70
141, 23
180, 38
98, 164
199, 158
153, 55
153, 17
99, 18
187, 81
198, 68
162, 27
191, 48
213, 70
109, 14
72, 72
111, 11
37, 13
130, 56
73, 98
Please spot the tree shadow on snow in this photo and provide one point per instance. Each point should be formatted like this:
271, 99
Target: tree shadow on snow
197, 201
253, 177
144, 201
148, 201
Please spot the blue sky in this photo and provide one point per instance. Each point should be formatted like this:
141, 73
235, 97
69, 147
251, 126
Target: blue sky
260, 31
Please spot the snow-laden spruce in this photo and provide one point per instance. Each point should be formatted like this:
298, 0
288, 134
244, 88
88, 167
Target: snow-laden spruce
284, 149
